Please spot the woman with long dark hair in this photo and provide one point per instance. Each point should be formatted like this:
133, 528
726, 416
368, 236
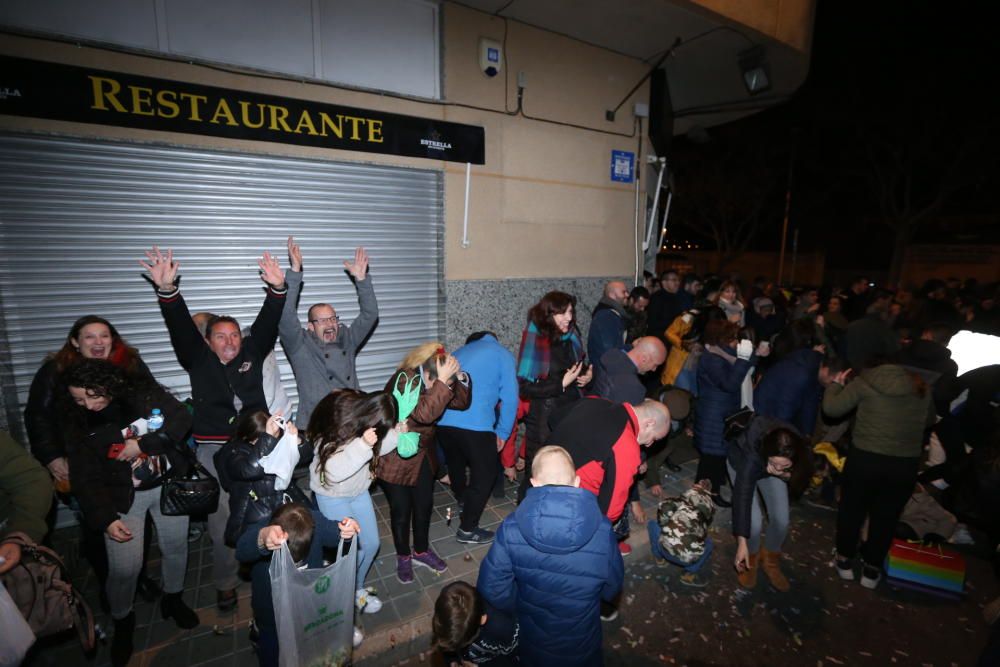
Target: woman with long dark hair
351, 431
117, 465
407, 477
550, 368
768, 464
894, 407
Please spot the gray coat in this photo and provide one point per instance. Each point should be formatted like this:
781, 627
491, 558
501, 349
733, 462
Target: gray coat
322, 367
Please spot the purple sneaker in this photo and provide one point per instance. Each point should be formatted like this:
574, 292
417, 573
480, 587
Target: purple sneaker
430, 560
404, 569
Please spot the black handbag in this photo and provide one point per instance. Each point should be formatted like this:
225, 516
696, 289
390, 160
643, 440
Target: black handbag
736, 423
194, 492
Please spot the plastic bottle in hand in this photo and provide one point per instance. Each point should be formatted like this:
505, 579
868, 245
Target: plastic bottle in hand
155, 422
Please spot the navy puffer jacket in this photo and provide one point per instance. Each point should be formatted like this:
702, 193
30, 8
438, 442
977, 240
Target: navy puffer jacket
552, 562
718, 397
790, 390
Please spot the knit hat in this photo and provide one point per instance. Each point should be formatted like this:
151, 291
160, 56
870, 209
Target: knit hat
678, 402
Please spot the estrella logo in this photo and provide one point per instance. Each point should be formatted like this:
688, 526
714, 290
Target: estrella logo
322, 585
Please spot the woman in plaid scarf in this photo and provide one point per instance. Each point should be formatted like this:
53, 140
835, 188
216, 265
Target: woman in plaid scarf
551, 369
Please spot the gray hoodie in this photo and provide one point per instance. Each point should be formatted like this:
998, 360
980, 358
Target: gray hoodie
347, 473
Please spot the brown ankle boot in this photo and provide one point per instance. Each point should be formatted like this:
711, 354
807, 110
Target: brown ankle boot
770, 562
748, 577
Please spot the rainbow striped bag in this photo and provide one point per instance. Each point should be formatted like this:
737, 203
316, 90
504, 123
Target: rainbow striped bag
928, 568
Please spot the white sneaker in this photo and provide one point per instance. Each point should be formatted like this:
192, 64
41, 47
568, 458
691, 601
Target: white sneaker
870, 576
961, 535
367, 602
358, 636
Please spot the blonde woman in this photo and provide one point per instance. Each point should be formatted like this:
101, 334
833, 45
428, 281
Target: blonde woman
408, 478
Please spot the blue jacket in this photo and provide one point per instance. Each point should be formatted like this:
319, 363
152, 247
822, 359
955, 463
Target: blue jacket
790, 390
607, 332
494, 376
552, 562
718, 397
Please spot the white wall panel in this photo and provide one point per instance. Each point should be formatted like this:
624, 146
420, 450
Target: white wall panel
383, 45
126, 22
263, 34
390, 45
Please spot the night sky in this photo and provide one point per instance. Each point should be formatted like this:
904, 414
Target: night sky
898, 116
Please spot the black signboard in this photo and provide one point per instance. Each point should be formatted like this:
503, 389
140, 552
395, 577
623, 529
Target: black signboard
63, 92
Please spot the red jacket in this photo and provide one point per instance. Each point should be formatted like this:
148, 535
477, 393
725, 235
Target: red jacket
601, 438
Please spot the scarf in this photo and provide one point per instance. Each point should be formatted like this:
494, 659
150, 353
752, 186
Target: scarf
718, 351
535, 354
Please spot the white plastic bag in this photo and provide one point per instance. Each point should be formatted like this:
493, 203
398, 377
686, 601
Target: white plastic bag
282, 460
16, 636
314, 609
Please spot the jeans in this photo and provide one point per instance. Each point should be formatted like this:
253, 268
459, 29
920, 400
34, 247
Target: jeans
876, 486
224, 565
125, 558
476, 450
411, 505
653, 528
360, 509
774, 492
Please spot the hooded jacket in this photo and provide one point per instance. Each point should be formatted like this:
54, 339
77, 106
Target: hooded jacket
891, 415
933, 362
552, 562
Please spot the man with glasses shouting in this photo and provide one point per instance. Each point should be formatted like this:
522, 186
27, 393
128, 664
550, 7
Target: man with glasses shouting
322, 355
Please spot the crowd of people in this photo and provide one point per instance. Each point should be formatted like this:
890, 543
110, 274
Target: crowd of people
777, 387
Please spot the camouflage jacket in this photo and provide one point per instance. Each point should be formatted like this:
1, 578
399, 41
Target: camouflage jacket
684, 521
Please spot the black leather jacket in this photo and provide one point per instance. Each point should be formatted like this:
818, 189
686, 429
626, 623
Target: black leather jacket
104, 486
252, 496
41, 417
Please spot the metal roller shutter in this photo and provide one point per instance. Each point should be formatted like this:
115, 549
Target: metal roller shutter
77, 216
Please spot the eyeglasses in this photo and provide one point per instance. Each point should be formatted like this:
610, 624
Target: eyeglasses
326, 320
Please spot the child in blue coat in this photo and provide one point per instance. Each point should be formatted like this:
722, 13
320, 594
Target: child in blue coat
552, 562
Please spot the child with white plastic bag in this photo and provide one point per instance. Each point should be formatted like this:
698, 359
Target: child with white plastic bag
291, 543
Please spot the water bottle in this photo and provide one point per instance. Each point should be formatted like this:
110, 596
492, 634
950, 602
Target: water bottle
155, 420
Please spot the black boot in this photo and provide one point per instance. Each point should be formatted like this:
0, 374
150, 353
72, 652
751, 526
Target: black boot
172, 606
121, 645
148, 589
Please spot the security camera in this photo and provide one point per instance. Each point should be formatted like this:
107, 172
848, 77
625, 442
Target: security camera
490, 57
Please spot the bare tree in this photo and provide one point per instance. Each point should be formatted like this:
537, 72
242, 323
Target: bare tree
728, 192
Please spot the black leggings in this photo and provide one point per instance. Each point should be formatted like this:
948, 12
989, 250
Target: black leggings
876, 486
411, 504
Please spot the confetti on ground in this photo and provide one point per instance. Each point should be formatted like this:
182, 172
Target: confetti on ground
626, 631
703, 637
835, 661
903, 653
865, 653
